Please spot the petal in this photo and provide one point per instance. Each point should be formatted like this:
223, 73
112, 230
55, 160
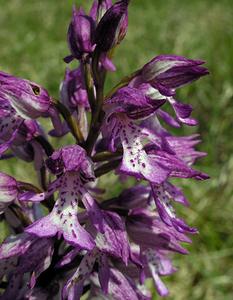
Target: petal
174, 165
27, 98
116, 236
184, 148
165, 66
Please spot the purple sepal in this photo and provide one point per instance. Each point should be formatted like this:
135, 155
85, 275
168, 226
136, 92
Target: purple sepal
79, 34
104, 273
168, 118
6, 145
133, 102
71, 158
112, 26
167, 72
99, 8
29, 99
134, 197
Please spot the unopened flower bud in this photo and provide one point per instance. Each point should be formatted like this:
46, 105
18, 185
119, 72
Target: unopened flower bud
112, 27
80, 33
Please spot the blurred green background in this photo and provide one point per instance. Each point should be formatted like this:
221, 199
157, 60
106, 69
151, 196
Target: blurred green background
32, 45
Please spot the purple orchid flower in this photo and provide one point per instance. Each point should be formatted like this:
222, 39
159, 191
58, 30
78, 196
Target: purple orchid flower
160, 78
121, 110
77, 170
63, 219
147, 230
110, 244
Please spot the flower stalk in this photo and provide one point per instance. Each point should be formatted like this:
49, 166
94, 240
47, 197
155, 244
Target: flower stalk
75, 130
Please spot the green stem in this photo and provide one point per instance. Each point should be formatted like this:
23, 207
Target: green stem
108, 167
20, 215
29, 187
97, 114
48, 148
89, 83
105, 155
75, 130
49, 202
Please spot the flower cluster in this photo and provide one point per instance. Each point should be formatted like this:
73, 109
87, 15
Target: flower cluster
66, 238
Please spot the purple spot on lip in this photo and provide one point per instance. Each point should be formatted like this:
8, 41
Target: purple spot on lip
74, 234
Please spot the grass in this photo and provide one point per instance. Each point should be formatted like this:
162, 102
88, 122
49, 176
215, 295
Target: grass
33, 43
